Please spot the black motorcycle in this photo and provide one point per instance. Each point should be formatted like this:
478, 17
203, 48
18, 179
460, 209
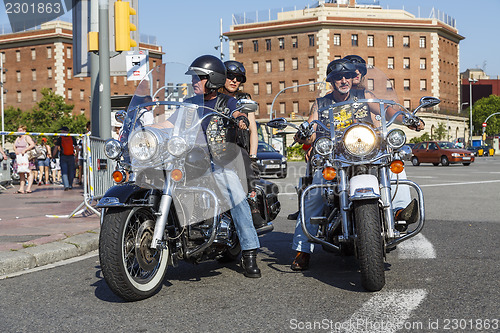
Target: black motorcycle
166, 205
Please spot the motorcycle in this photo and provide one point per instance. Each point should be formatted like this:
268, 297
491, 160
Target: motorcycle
166, 205
360, 156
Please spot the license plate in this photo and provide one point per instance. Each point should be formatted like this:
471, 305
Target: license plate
466, 158
273, 166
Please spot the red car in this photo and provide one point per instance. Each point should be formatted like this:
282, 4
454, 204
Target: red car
443, 152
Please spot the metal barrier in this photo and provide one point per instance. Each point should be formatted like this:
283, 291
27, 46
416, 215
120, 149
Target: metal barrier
97, 173
5, 176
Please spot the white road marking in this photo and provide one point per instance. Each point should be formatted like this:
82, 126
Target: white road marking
417, 247
386, 312
462, 183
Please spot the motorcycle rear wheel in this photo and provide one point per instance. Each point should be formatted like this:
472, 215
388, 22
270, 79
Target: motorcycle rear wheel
132, 270
369, 244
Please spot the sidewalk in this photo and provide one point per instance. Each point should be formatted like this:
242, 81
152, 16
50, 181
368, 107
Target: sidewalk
35, 229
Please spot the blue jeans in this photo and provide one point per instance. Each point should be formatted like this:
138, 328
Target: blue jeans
67, 170
230, 186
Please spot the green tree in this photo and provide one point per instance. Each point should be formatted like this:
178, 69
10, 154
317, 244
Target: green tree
481, 110
440, 132
423, 137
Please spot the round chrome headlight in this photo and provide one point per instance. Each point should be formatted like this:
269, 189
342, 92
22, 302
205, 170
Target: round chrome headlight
396, 138
359, 140
176, 146
112, 149
143, 145
324, 146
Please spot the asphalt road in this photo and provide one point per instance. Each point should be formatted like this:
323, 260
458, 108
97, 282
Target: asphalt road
447, 279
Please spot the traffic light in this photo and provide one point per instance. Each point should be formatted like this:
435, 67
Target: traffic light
123, 27
184, 89
293, 115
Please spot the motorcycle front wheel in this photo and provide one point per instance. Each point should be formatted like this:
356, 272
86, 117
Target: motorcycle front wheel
132, 270
369, 244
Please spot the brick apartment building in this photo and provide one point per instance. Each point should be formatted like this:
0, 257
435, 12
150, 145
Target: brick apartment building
420, 56
43, 58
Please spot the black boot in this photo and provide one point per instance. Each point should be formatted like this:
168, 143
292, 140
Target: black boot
249, 263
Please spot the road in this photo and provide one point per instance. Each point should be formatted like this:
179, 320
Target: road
447, 279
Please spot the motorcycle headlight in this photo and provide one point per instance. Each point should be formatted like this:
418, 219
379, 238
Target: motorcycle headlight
143, 145
324, 146
112, 149
176, 146
359, 140
396, 138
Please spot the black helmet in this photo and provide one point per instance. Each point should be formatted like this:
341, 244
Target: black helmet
340, 68
235, 68
359, 62
196, 163
210, 67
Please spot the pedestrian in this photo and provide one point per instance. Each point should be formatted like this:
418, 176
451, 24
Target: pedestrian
80, 155
43, 161
22, 145
66, 146
55, 166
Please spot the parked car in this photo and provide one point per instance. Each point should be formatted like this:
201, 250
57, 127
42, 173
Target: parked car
482, 150
270, 161
443, 152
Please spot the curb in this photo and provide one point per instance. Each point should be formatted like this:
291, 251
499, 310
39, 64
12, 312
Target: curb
40, 255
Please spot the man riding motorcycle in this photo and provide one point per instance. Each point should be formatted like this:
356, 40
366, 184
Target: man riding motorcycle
340, 74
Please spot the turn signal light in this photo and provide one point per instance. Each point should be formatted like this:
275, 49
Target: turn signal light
397, 166
176, 175
119, 176
329, 173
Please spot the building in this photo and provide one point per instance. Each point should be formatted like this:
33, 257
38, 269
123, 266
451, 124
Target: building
43, 58
420, 56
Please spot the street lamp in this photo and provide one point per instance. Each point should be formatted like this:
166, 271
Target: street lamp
471, 103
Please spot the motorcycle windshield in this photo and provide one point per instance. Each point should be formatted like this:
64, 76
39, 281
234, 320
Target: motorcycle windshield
175, 141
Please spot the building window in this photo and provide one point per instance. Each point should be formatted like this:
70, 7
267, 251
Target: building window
82, 94
68, 53
281, 63
295, 107
49, 73
295, 63
406, 84
18, 56
240, 47
281, 43
269, 88
295, 84
268, 45
33, 74
390, 84
268, 108
49, 52
268, 66
370, 41
19, 97
33, 95
354, 40
255, 88
18, 76
407, 104
370, 61
370, 84
423, 63
312, 62
282, 86
256, 46
423, 85
282, 107
70, 73
3, 57
255, 67
406, 41
406, 63
336, 39
311, 84
421, 42
311, 40
70, 93
390, 63
295, 42
115, 80
390, 41
33, 54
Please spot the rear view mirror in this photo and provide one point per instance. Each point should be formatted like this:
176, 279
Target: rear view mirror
247, 105
428, 102
120, 116
278, 123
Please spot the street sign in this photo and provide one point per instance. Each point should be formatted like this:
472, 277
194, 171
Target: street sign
137, 64
484, 124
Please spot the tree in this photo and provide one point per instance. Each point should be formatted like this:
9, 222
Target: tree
481, 110
440, 132
423, 137
12, 120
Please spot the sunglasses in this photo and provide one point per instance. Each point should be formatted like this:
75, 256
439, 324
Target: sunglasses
339, 76
231, 77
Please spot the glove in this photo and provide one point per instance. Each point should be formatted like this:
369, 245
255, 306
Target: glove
305, 131
244, 119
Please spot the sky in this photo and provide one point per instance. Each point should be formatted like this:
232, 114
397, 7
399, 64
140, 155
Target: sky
187, 29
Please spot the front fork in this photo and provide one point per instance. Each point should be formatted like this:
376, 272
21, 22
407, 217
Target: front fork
385, 196
161, 220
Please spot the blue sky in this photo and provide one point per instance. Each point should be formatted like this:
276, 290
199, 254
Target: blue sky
186, 29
